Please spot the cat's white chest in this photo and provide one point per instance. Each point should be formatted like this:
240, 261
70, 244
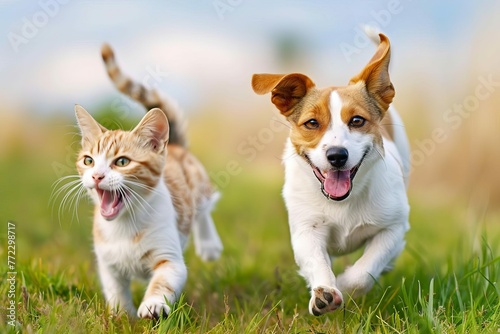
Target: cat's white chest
129, 247
124, 256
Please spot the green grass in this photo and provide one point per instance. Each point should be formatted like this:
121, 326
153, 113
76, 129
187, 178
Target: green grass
446, 280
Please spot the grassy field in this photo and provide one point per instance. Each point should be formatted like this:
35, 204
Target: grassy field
446, 281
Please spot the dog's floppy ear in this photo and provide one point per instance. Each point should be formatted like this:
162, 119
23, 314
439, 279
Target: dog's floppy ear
286, 90
375, 75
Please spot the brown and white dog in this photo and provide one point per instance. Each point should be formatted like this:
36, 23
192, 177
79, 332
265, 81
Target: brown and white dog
346, 170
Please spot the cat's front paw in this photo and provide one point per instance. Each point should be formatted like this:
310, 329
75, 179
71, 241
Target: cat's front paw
153, 308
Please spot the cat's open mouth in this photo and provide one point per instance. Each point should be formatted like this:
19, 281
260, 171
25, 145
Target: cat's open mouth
111, 203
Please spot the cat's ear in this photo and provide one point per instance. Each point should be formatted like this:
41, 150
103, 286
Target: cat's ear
154, 129
89, 127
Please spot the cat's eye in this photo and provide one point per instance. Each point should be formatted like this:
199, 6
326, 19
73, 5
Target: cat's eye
88, 161
122, 162
357, 122
311, 124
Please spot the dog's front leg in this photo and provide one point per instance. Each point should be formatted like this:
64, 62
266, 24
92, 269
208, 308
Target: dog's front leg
379, 252
309, 246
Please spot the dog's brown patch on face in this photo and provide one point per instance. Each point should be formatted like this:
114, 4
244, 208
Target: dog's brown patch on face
315, 105
356, 102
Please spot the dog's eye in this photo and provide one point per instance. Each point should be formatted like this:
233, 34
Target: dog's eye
311, 124
357, 122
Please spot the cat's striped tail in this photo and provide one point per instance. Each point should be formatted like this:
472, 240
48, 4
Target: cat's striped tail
149, 98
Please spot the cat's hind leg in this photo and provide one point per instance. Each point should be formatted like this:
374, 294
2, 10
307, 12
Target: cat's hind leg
207, 242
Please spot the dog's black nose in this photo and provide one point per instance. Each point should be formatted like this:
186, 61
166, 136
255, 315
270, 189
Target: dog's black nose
337, 156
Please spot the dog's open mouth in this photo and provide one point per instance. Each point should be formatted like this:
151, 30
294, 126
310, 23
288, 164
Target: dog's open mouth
337, 184
111, 203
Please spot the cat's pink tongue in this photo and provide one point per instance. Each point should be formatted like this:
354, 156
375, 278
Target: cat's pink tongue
110, 204
337, 183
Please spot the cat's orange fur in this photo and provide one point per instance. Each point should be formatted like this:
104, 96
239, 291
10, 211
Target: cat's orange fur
148, 197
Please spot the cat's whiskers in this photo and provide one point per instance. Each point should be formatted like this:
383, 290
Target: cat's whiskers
133, 194
73, 200
72, 190
127, 201
57, 188
140, 184
130, 184
77, 198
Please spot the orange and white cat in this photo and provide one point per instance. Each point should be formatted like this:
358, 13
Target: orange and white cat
148, 190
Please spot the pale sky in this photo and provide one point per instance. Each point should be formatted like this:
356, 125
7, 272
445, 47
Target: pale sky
201, 50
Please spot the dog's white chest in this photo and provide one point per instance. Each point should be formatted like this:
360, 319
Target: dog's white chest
346, 238
345, 225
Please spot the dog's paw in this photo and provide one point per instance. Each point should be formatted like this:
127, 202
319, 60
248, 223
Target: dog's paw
153, 308
324, 299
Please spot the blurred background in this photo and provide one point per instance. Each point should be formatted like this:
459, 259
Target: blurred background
445, 68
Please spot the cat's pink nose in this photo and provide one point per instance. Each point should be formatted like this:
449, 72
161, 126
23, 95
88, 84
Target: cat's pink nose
97, 178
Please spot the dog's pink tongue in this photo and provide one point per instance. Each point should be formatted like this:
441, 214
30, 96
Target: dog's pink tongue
109, 201
337, 183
